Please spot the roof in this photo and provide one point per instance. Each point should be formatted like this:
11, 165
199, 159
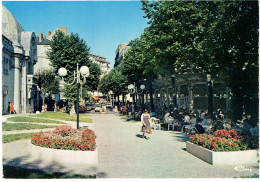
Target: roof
43, 42
99, 58
11, 28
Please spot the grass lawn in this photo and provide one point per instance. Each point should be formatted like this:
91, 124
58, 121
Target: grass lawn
33, 120
22, 173
24, 126
64, 116
14, 137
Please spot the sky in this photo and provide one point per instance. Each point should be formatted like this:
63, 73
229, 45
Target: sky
102, 24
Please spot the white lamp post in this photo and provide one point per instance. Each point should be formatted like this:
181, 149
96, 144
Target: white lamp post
133, 90
84, 72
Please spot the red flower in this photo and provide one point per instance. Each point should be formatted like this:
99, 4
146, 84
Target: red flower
234, 144
58, 147
213, 145
228, 144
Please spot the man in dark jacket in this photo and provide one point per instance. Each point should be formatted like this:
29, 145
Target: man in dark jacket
199, 127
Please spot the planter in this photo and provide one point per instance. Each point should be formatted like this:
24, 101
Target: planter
68, 157
223, 158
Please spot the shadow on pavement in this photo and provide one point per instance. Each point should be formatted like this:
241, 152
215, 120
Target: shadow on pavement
139, 136
180, 136
54, 167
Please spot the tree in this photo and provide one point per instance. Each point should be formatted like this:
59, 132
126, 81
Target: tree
215, 38
48, 83
105, 84
139, 64
68, 51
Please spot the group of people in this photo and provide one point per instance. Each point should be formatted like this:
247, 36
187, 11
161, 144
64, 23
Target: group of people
186, 121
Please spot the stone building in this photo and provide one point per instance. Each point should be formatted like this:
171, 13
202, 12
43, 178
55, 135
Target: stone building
102, 62
19, 55
121, 51
43, 46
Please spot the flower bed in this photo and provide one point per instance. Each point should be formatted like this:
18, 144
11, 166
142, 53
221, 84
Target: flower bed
224, 147
66, 138
223, 158
225, 140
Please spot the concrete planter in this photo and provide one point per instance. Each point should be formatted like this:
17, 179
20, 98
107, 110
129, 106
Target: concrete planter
68, 157
223, 158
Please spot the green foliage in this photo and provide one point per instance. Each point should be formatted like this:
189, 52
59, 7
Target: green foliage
67, 51
105, 84
114, 81
48, 82
23, 173
64, 116
139, 62
24, 126
14, 137
219, 38
33, 120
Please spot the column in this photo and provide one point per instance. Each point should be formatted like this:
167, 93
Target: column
24, 98
17, 88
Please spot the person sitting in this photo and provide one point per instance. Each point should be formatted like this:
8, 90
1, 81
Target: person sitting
167, 118
193, 120
199, 127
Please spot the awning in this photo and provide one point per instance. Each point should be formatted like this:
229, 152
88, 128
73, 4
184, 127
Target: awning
95, 97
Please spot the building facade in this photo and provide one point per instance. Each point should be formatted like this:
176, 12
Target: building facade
19, 55
121, 51
43, 46
102, 62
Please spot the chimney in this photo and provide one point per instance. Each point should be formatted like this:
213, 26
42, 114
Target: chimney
49, 33
40, 37
64, 30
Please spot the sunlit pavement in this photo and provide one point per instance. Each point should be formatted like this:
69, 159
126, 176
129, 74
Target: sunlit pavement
124, 154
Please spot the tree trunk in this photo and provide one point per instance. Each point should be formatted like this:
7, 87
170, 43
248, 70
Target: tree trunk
210, 98
43, 102
123, 99
142, 107
174, 91
151, 94
237, 104
72, 110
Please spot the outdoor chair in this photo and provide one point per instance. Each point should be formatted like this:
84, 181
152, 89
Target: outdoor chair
172, 125
156, 123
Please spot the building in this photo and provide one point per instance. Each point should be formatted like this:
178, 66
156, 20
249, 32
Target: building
102, 62
121, 51
43, 46
19, 55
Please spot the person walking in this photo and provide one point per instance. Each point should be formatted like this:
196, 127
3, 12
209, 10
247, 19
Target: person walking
146, 126
12, 111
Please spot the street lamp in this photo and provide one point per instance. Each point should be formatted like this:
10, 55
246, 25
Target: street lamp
133, 90
84, 72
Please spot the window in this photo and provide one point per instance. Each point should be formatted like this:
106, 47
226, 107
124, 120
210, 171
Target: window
5, 65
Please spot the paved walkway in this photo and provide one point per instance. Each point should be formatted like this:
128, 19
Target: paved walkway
124, 154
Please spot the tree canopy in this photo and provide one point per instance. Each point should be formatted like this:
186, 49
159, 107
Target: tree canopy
67, 51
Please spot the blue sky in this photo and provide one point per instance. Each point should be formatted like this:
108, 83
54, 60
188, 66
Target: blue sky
102, 24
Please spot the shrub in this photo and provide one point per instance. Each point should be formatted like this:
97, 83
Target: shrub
224, 140
66, 138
